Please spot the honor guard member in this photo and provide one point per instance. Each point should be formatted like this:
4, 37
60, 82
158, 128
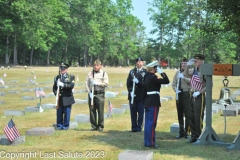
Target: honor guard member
152, 101
65, 82
182, 88
137, 76
197, 99
97, 80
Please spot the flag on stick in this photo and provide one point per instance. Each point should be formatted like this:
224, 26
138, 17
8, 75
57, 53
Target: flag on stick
40, 93
110, 107
196, 81
1, 81
77, 78
11, 131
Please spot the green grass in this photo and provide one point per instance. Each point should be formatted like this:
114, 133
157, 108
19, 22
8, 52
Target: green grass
116, 136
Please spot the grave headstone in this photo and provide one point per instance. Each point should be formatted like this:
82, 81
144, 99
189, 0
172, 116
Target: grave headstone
118, 110
27, 98
4, 140
32, 109
80, 101
13, 92
125, 93
48, 106
40, 131
231, 110
13, 113
135, 155
2, 93
1, 102
72, 125
110, 94
174, 128
26, 90
126, 106
82, 118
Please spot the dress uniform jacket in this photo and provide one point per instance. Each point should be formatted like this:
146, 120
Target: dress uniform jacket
153, 83
66, 96
140, 91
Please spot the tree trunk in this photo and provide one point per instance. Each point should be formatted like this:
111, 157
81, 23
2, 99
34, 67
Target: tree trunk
31, 56
15, 50
48, 55
86, 48
6, 55
66, 50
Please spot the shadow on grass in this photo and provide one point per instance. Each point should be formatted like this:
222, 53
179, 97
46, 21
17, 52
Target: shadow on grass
168, 144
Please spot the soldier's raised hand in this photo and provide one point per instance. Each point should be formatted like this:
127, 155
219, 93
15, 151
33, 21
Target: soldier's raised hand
159, 70
191, 62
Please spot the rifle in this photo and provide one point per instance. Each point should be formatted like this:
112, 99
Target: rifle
58, 90
133, 91
89, 92
177, 87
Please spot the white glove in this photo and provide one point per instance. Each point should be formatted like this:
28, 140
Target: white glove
94, 82
195, 94
90, 95
159, 70
60, 84
131, 94
178, 91
180, 75
135, 80
191, 62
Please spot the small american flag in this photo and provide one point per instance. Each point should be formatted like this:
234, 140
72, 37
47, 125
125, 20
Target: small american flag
196, 81
11, 131
40, 93
110, 107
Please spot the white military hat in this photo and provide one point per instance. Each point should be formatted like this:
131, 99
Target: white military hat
152, 64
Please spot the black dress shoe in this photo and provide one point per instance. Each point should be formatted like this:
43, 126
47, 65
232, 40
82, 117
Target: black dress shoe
179, 136
192, 140
186, 136
100, 129
93, 129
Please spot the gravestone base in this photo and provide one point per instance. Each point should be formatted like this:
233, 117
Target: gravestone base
40, 131
4, 140
135, 155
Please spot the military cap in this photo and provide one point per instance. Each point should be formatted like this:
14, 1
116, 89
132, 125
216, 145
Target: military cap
97, 62
64, 65
153, 64
199, 56
184, 59
139, 59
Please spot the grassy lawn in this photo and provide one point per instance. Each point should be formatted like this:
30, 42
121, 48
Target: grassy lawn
116, 137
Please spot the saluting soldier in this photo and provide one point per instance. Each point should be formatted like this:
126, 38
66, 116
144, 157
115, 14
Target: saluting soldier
197, 99
97, 79
65, 82
137, 76
182, 88
152, 101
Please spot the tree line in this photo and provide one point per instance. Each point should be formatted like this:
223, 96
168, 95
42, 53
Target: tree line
77, 32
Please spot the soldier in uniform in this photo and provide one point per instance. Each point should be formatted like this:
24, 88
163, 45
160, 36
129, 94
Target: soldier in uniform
182, 88
65, 82
197, 99
96, 82
137, 75
152, 101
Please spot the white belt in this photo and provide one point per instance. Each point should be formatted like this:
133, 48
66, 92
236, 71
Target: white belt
153, 92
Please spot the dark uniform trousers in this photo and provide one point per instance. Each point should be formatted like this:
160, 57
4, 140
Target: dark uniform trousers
97, 110
137, 111
183, 110
151, 116
196, 114
63, 121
